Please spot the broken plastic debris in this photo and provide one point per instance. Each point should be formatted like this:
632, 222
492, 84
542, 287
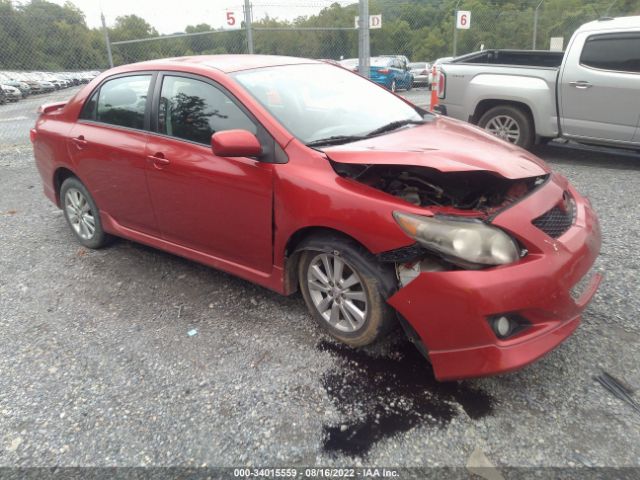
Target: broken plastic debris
192, 332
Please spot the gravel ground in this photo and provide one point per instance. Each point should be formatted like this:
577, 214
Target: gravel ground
97, 367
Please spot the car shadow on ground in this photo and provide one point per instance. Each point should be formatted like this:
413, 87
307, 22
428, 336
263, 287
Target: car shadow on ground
587, 156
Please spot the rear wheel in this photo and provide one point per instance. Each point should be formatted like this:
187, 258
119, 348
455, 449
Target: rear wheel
345, 290
82, 214
510, 124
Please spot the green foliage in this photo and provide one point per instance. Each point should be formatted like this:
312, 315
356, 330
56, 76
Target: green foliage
45, 36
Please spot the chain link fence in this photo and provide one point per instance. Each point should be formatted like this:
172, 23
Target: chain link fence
43, 43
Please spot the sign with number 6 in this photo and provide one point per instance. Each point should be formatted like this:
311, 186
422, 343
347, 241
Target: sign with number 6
231, 20
463, 19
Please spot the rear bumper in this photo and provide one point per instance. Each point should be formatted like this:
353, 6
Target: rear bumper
449, 310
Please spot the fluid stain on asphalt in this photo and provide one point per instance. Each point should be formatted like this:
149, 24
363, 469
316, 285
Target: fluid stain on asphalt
380, 397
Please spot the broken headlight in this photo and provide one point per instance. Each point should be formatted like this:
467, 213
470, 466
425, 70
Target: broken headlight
471, 241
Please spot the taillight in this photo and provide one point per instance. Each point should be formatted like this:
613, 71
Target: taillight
442, 83
384, 71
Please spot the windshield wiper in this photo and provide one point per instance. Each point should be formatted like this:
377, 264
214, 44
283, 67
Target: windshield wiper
394, 126
335, 140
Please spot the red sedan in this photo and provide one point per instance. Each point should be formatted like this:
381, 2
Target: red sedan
296, 174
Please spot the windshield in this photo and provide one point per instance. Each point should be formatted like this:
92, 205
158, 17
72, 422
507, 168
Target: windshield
318, 101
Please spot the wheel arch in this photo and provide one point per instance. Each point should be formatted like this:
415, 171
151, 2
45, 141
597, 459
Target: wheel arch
485, 105
292, 251
59, 176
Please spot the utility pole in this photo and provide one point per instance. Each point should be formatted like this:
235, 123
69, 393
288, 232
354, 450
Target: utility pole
247, 25
106, 40
535, 25
455, 28
364, 52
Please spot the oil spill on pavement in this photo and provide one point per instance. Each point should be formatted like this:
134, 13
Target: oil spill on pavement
380, 397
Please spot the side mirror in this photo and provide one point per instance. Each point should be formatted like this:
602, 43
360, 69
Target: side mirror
235, 143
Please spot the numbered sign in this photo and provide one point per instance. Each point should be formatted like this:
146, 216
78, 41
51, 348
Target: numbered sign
463, 19
232, 19
375, 21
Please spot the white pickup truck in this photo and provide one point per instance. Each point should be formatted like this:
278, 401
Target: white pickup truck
591, 94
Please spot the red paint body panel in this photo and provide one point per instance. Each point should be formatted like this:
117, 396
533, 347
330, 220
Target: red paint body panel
445, 144
238, 214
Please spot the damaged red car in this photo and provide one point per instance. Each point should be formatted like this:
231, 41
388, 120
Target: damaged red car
300, 175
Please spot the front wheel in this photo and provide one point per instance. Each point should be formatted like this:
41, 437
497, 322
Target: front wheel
510, 124
345, 290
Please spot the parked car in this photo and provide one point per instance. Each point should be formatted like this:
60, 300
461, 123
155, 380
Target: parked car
24, 88
404, 61
296, 174
12, 94
420, 72
589, 94
437, 64
350, 64
390, 73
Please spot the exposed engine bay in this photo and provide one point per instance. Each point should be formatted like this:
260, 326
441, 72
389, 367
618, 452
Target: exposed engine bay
479, 192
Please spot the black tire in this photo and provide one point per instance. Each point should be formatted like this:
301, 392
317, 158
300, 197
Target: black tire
520, 117
377, 283
98, 238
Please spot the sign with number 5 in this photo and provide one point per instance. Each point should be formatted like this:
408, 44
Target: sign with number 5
463, 19
231, 20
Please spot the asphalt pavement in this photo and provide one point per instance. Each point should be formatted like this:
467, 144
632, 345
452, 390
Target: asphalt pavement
129, 356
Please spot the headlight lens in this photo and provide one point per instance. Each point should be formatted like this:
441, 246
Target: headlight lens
471, 241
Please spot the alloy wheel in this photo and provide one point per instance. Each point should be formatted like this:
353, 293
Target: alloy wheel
504, 127
337, 292
79, 214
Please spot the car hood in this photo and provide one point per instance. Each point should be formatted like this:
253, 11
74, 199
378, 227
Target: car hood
443, 144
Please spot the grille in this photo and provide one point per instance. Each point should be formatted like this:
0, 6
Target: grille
558, 220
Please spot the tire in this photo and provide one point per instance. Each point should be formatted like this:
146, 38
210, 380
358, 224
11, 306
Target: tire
363, 286
82, 214
511, 124
393, 87
410, 86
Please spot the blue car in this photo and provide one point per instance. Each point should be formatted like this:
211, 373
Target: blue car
391, 73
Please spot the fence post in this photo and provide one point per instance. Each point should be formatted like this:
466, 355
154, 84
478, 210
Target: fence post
106, 40
363, 39
247, 25
455, 28
535, 25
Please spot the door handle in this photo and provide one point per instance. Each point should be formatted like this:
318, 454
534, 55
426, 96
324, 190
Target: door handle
80, 142
158, 160
582, 84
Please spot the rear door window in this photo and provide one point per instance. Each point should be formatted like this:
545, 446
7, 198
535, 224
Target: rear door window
618, 52
121, 101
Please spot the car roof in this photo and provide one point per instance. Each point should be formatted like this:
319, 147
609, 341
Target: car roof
225, 63
618, 23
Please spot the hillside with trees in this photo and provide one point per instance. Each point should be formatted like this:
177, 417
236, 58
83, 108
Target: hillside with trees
45, 36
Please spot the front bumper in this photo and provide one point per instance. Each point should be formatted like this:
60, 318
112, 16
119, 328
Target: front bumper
449, 310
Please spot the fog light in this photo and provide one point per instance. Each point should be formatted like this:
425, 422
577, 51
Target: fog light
502, 325
507, 324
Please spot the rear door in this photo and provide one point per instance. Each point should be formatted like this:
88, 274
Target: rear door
216, 205
107, 146
599, 87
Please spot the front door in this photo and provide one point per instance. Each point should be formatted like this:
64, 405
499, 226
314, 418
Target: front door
599, 87
215, 205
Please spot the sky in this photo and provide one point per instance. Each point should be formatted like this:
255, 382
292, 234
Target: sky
171, 17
